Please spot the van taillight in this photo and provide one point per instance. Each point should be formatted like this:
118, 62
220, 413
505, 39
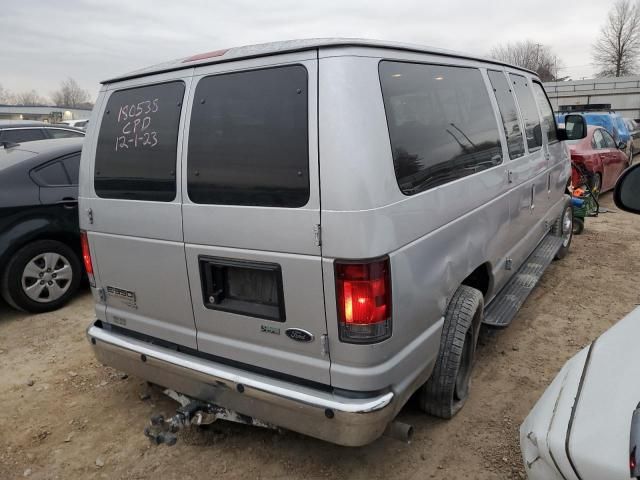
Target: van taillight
86, 257
363, 297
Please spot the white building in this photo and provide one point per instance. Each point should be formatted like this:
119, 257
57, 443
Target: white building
621, 93
44, 114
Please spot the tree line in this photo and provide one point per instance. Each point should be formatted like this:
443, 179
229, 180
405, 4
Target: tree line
69, 95
615, 52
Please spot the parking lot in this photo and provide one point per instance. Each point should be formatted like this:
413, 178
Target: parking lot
65, 416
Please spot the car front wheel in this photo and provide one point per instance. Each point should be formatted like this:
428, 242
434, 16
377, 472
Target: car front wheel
42, 276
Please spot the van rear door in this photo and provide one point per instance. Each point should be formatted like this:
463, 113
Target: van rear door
132, 207
251, 212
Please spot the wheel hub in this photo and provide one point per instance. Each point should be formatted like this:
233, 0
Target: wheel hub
46, 277
567, 226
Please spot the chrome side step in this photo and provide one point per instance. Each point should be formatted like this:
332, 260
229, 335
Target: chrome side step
501, 311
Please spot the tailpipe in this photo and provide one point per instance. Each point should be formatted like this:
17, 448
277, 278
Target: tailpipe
400, 431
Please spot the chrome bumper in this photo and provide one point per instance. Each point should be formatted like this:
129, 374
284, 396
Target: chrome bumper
325, 415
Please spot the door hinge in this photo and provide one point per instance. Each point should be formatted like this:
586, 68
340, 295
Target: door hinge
510, 176
324, 344
508, 263
317, 234
90, 215
102, 294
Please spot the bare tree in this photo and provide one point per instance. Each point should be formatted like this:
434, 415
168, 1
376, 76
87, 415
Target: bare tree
6, 97
530, 55
616, 51
70, 95
30, 98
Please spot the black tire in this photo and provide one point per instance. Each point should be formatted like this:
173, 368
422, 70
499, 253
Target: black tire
11, 284
578, 225
559, 231
446, 391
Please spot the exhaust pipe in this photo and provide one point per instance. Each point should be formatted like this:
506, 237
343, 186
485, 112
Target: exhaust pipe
400, 431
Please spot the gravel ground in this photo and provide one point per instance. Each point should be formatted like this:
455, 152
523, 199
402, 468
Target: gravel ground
64, 416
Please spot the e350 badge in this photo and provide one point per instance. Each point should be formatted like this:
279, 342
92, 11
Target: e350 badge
127, 297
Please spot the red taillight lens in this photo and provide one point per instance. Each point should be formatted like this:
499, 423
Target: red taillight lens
86, 257
363, 297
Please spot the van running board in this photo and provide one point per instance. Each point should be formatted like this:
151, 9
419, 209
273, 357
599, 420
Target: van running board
501, 311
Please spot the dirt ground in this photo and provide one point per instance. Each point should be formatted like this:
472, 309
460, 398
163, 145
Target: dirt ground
64, 416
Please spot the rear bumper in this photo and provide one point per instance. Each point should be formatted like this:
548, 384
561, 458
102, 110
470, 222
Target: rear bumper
335, 418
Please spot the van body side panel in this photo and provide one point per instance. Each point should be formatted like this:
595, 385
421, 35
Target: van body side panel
85, 188
528, 197
434, 239
225, 230
137, 245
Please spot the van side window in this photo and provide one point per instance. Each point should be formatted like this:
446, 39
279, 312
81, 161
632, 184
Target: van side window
441, 123
137, 143
547, 113
508, 113
532, 127
248, 139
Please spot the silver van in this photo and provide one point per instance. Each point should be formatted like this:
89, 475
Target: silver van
303, 234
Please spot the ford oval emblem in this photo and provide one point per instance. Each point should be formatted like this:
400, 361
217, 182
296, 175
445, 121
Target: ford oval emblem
299, 335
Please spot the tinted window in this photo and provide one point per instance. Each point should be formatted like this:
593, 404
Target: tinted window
50, 175
508, 112
59, 133
598, 139
137, 143
441, 123
547, 113
529, 112
609, 142
248, 139
21, 135
72, 166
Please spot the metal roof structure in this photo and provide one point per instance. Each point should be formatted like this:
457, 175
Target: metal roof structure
289, 46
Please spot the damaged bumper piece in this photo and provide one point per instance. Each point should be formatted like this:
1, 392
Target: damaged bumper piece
344, 419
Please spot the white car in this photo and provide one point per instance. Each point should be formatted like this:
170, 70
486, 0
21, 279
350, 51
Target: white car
81, 124
581, 427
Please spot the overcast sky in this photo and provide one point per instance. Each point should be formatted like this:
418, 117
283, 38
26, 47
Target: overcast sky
45, 41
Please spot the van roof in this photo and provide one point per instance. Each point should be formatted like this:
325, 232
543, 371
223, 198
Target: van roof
274, 48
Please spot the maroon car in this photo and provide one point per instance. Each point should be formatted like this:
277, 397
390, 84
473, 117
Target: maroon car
601, 156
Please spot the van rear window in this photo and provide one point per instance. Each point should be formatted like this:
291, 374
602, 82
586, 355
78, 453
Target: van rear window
137, 143
248, 139
441, 123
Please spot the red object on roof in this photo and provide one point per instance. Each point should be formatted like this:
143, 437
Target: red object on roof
202, 56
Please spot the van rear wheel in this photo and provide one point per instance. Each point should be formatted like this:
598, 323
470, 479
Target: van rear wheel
444, 394
563, 227
42, 276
